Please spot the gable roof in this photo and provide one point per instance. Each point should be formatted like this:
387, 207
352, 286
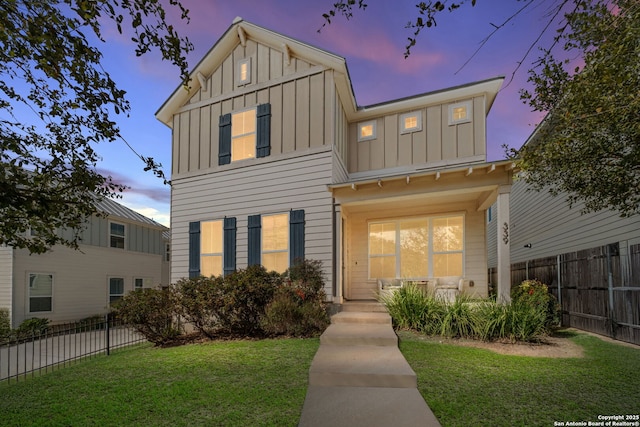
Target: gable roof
114, 209
241, 30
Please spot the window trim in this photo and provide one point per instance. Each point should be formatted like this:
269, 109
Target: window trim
39, 273
124, 236
239, 80
374, 130
469, 107
416, 128
109, 294
431, 252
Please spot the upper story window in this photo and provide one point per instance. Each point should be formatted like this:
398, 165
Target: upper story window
367, 131
243, 75
167, 252
245, 134
460, 112
116, 235
410, 122
211, 248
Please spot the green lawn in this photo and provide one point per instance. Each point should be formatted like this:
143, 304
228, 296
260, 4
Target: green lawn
474, 387
231, 383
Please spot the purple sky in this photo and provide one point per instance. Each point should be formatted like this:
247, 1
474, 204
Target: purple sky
373, 44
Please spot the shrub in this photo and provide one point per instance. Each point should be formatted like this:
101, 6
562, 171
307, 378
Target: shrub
297, 307
536, 295
199, 302
32, 327
152, 312
5, 324
456, 321
491, 320
411, 308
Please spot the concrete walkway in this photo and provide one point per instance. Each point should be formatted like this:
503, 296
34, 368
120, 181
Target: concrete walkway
358, 377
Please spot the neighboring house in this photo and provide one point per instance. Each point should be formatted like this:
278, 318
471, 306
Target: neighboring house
118, 253
273, 160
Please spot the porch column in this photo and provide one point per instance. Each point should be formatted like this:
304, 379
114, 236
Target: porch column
504, 237
337, 255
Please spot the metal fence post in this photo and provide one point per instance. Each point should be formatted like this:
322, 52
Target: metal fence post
106, 329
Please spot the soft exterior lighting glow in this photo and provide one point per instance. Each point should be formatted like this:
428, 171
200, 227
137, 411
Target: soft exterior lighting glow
366, 131
243, 135
244, 72
410, 122
459, 113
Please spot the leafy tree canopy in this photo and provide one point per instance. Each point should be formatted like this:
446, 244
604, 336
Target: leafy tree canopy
588, 147
57, 101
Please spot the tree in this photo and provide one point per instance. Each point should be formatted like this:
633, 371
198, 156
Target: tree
588, 147
57, 101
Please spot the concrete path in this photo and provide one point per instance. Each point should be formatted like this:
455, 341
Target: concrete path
358, 377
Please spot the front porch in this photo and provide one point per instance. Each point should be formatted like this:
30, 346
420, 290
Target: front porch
427, 227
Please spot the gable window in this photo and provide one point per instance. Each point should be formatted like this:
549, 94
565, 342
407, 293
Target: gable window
416, 248
141, 283
367, 131
410, 122
245, 134
212, 247
116, 289
243, 75
40, 292
116, 235
276, 241
460, 112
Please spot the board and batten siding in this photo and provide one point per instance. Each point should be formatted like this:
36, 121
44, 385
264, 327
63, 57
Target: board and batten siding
475, 260
6, 278
301, 97
267, 186
438, 143
80, 279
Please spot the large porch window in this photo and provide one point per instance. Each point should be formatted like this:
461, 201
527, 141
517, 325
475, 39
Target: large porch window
416, 248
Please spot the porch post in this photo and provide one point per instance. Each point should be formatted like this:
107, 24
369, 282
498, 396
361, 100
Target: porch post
337, 254
504, 237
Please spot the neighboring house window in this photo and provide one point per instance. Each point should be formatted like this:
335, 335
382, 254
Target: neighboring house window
460, 112
212, 247
116, 289
167, 252
276, 241
416, 248
40, 292
367, 131
410, 122
243, 75
489, 214
116, 235
142, 282
245, 134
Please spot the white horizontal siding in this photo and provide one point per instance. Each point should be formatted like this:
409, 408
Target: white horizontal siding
6, 278
263, 188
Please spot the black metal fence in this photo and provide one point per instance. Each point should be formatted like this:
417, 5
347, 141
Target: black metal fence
58, 346
598, 288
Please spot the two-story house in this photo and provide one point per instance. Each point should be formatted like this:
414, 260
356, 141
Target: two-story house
273, 160
118, 252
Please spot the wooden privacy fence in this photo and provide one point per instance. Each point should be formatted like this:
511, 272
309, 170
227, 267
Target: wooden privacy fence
598, 288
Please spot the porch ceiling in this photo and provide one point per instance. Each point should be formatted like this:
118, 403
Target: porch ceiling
476, 184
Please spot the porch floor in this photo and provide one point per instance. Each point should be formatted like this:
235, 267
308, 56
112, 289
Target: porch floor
359, 377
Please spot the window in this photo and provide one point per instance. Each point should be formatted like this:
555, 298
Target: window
116, 289
275, 242
40, 292
460, 112
416, 248
142, 282
167, 252
410, 122
367, 131
211, 248
116, 235
243, 75
245, 134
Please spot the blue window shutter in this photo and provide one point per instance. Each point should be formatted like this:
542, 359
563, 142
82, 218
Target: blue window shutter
229, 244
296, 236
224, 153
255, 231
263, 131
194, 249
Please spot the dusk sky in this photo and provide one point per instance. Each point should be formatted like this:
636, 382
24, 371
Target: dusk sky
372, 43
